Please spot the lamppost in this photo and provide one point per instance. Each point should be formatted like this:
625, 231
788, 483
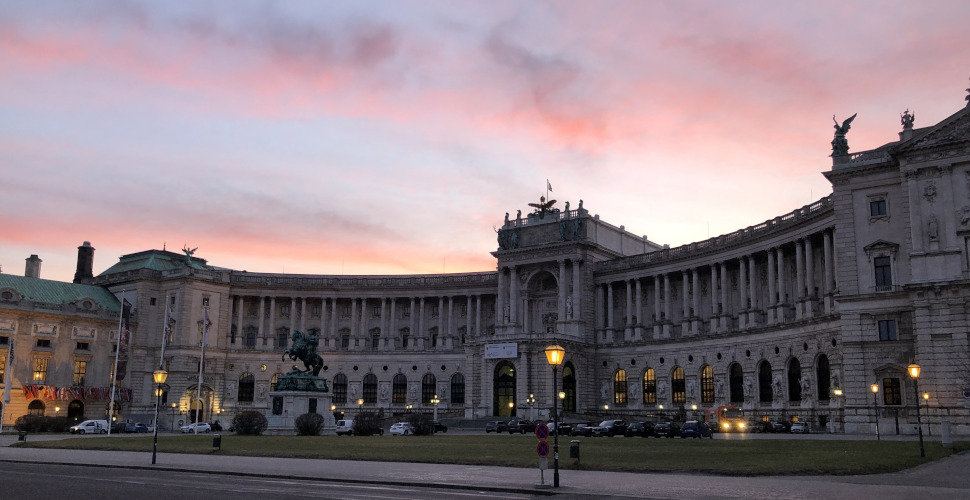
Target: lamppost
914, 372
435, 401
562, 402
875, 407
926, 402
511, 409
56, 409
554, 355
532, 402
360, 405
174, 406
159, 377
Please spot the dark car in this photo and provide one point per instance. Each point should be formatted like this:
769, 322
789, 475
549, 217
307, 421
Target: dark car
610, 428
136, 427
117, 427
496, 426
641, 429
666, 429
438, 427
521, 426
582, 430
696, 429
564, 429
775, 426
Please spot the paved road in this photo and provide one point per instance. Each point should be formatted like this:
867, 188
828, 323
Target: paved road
944, 479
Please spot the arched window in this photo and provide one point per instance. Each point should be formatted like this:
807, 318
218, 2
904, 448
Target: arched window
794, 380
619, 387
429, 388
457, 389
764, 382
707, 385
569, 387
678, 386
824, 376
650, 387
340, 389
247, 387
275, 380
736, 382
113, 411
399, 389
75, 410
370, 389
36, 407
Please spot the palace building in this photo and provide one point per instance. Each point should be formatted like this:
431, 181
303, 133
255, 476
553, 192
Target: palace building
795, 318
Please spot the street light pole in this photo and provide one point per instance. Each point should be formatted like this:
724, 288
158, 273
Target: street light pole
875, 407
914, 370
554, 355
159, 377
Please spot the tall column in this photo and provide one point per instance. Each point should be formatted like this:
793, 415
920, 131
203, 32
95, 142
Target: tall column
752, 287
292, 314
452, 331
828, 285
471, 331
684, 296
478, 316
799, 297
696, 295
240, 303
772, 287
743, 290
391, 332
514, 296
413, 342
600, 315
563, 291
577, 291
354, 327
272, 319
333, 321
667, 306
422, 331
725, 285
638, 333
303, 315
501, 297
657, 312
714, 309
780, 314
262, 313
629, 311
810, 278
609, 306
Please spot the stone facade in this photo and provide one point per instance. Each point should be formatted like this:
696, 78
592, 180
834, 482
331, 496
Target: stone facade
793, 318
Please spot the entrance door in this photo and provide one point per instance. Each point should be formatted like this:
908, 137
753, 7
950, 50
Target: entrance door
503, 383
569, 388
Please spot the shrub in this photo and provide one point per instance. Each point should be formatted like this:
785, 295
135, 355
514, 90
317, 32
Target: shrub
421, 423
309, 424
367, 423
249, 423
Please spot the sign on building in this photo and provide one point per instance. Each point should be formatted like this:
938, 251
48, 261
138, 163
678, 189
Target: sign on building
499, 351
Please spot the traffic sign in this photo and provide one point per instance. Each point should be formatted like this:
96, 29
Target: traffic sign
542, 431
542, 449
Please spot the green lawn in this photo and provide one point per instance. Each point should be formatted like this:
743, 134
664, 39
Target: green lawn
734, 457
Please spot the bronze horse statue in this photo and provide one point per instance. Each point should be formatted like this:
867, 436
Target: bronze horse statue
304, 348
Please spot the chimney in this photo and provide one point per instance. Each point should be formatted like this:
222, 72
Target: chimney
33, 267
85, 262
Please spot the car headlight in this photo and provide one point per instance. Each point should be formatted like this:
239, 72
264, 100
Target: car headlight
726, 425
741, 426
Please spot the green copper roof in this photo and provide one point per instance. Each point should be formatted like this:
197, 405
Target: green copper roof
57, 292
155, 260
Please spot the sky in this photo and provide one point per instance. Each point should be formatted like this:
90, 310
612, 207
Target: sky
332, 137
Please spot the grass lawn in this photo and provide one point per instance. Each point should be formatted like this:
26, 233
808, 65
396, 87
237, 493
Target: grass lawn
729, 457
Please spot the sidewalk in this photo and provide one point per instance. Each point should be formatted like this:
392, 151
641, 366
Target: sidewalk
944, 479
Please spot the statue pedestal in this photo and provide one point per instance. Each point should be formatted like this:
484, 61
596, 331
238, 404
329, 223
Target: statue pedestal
288, 405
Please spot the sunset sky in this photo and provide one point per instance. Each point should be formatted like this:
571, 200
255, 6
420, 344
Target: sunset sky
326, 137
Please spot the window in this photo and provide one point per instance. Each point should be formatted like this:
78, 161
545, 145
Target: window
340, 389
736, 383
406, 311
458, 389
375, 339
151, 301
80, 369
892, 393
405, 337
282, 338
764, 382
205, 301
36, 407
346, 312
823, 376
434, 337
345, 340
434, 311
275, 380
315, 310
707, 385
883, 270
249, 341
619, 387
678, 386
285, 310
45, 343
877, 207
794, 380
377, 311
399, 389
3, 366
650, 387
247, 387
40, 370
83, 346
428, 388
370, 389
887, 329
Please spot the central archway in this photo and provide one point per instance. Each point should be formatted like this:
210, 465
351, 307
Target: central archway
503, 392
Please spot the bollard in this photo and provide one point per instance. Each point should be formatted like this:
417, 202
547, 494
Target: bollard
22, 436
574, 449
217, 441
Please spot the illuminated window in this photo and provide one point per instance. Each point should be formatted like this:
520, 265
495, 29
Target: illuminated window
619, 387
370, 389
40, 370
707, 385
340, 389
649, 387
428, 388
80, 370
678, 386
399, 389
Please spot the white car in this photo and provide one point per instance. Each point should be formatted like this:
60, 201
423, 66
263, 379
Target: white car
401, 429
203, 427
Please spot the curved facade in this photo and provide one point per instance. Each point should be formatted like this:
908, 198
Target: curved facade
793, 318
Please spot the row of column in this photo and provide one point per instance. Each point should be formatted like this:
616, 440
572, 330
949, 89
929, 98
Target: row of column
751, 305
411, 329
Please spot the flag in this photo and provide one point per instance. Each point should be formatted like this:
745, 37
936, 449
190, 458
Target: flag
205, 336
548, 185
8, 375
124, 337
167, 329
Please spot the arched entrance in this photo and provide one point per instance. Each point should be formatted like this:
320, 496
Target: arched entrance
196, 410
503, 392
569, 387
75, 410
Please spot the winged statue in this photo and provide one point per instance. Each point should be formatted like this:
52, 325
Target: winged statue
840, 146
543, 206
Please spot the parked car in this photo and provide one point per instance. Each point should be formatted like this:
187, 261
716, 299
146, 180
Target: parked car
202, 427
799, 428
641, 429
610, 428
696, 429
401, 429
345, 427
439, 427
521, 426
117, 427
582, 430
136, 427
90, 427
563, 430
779, 426
666, 429
496, 426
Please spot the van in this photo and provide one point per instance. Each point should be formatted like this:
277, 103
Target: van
90, 427
345, 427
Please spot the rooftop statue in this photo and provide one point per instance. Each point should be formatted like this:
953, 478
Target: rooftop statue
907, 119
840, 146
543, 206
188, 253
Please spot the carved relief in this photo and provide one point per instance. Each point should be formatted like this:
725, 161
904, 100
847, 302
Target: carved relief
929, 192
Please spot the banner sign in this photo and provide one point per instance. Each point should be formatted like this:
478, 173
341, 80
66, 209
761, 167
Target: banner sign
501, 351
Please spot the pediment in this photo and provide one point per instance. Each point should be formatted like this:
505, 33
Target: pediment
953, 130
881, 244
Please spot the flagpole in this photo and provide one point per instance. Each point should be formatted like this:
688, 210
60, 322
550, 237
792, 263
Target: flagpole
198, 397
114, 370
7, 382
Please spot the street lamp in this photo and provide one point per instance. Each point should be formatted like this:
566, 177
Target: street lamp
159, 377
532, 401
914, 372
562, 402
360, 405
58, 408
875, 407
926, 402
173, 416
554, 355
